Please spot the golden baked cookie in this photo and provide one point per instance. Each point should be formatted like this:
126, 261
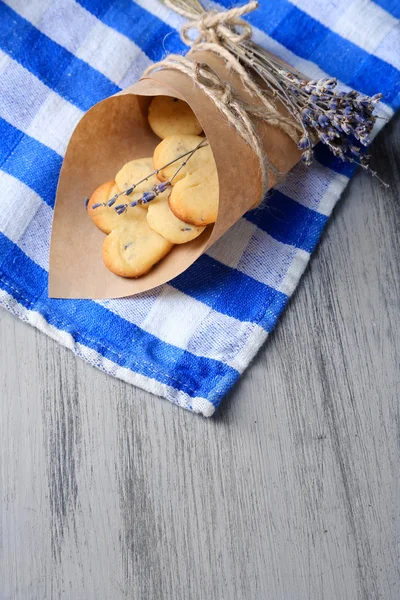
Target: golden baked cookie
162, 220
132, 172
102, 216
195, 190
105, 217
176, 145
194, 199
133, 249
169, 116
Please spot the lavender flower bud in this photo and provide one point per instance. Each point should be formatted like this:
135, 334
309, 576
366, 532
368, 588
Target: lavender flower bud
376, 98
147, 197
306, 157
112, 201
331, 83
365, 140
331, 133
337, 151
346, 128
304, 143
161, 187
121, 208
130, 190
86, 202
323, 121
97, 205
355, 150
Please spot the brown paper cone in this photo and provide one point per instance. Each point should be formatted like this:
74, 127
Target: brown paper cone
116, 131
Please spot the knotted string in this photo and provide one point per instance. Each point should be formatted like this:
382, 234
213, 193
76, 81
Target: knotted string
217, 32
217, 27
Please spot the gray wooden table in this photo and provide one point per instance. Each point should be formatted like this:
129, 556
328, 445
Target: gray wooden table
290, 493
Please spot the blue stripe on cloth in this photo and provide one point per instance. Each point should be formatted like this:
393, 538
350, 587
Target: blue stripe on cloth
311, 40
230, 292
197, 376
70, 77
28, 160
138, 25
288, 221
391, 6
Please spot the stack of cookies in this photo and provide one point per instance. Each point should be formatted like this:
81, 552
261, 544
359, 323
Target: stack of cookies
186, 198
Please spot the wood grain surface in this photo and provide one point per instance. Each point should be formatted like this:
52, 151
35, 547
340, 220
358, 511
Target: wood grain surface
290, 493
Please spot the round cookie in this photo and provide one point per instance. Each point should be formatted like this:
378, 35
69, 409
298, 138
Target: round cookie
194, 199
102, 216
168, 116
195, 191
105, 217
176, 145
133, 249
162, 220
132, 172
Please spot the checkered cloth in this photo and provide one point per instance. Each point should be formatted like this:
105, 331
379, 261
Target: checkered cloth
190, 340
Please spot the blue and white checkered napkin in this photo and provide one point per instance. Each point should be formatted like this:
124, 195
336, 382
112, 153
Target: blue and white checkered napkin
190, 340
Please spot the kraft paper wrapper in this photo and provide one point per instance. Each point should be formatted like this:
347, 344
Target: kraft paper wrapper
116, 131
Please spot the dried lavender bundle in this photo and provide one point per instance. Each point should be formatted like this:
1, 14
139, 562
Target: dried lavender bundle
151, 194
341, 120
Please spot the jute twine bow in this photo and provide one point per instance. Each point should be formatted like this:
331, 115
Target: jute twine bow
217, 32
215, 27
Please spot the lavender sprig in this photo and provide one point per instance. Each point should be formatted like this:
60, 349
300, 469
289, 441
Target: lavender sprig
149, 195
341, 120
144, 198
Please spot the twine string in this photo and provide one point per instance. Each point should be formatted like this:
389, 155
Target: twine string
218, 27
218, 32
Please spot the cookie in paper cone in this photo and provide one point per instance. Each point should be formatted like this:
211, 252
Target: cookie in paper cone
195, 190
116, 131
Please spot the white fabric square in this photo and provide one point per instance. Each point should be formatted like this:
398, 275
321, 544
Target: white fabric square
266, 259
35, 240
54, 123
18, 205
170, 322
31, 10
4, 61
230, 247
110, 52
